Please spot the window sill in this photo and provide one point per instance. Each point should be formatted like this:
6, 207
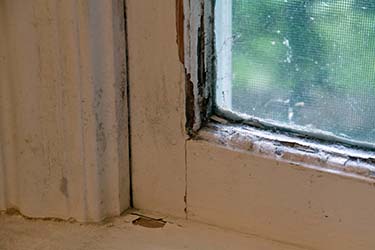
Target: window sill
325, 157
121, 233
286, 188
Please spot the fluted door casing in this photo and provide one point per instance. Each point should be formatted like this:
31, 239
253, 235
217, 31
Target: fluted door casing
63, 108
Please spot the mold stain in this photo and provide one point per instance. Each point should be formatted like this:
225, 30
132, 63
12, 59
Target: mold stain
64, 187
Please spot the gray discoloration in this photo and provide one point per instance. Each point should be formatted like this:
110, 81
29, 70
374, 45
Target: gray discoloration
101, 138
199, 62
189, 105
64, 187
331, 158
100, 126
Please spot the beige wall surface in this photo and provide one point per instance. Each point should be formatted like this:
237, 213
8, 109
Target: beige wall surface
63, 108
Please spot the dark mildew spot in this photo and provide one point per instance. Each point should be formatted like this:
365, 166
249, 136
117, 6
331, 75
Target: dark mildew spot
64, 186
149, 222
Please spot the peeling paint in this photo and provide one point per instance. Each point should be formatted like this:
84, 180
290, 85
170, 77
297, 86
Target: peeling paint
293, 150
189, 105
148, 222
198, 60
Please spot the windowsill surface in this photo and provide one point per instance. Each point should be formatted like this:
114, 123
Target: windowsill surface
21, 234
326, 157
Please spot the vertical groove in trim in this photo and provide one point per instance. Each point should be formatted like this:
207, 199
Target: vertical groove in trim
129, 106
121, 103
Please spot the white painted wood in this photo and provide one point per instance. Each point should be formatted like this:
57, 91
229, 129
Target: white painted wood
285, 202
3, 100
226, 187
157, 82
120, 234
223, 39
63, 112
2, 181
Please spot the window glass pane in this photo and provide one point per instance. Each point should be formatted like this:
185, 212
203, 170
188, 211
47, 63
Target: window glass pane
307, 65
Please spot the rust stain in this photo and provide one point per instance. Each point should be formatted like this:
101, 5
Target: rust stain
180, 29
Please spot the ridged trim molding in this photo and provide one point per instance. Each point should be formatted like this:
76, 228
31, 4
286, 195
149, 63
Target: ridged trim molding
63, 109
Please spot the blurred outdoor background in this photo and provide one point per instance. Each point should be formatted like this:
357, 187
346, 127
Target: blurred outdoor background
306, 62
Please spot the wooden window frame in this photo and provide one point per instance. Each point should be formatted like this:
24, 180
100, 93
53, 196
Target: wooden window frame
208, 168
211, 123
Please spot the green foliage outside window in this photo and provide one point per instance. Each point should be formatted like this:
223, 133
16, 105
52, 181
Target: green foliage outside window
306, 62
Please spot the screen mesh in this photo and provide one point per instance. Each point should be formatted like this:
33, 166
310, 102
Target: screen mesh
308, 65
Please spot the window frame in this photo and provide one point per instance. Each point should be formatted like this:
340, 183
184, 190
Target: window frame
212, 123
183, 167
222, 108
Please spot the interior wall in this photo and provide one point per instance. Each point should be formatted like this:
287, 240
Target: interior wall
63, 108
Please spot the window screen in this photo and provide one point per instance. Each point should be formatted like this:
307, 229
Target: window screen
304, 65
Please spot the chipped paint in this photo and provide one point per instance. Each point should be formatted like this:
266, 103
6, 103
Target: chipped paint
198, 60
189, 105
332, 158
148, 222
250, 134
